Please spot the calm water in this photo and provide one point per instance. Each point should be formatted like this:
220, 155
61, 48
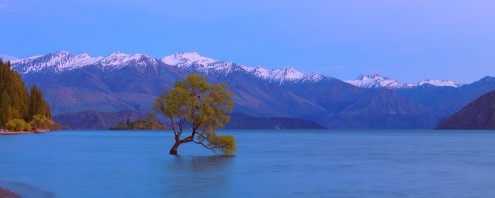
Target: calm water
267, 164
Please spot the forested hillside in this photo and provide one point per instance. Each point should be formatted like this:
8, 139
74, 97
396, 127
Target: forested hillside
20, 110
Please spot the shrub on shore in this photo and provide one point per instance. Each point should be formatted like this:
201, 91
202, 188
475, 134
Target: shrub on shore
18, 125
42, 123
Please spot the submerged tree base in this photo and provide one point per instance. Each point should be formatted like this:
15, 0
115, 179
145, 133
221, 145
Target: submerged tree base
173, 150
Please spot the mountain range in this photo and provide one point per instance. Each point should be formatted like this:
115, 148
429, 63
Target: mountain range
131, 82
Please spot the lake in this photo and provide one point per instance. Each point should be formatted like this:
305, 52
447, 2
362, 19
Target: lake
300, 163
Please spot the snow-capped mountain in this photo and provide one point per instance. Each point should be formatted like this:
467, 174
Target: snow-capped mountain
278, 75
55, 62
438, 83
184, 60
377, 81
118, 60
288, 74
194, 62
119, 82
64, 61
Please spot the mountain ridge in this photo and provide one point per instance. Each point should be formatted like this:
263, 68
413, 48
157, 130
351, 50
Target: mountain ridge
377, 81
131, 82
61, 61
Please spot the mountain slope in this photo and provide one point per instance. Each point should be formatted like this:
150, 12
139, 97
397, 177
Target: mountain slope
479, 114
383, 110
241, 121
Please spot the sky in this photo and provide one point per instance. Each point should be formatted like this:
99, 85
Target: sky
408, 40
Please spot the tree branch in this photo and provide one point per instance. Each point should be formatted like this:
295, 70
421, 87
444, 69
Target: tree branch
173, 125
212, 147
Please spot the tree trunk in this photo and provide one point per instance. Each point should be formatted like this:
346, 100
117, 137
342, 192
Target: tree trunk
173, 150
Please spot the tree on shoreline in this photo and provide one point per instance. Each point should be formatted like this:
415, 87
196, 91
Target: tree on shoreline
17, 104
203, 107
14, 97
37, 105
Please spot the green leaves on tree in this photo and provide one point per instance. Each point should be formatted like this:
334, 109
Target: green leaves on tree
203, 107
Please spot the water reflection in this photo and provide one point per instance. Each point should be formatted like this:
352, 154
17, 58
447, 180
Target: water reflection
198, 175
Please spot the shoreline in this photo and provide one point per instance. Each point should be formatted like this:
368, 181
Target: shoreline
18, 132
8, 194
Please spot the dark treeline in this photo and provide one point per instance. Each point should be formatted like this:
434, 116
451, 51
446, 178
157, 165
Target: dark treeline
15, 101
149, 124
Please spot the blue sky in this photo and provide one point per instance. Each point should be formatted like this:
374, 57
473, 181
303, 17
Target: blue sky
406, 40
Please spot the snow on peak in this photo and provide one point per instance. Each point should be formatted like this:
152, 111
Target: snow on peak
194, 61
64, 61
261, 72
438, 83
187, 59
286, 74
377, 81
118, 60
313, 77
57, 61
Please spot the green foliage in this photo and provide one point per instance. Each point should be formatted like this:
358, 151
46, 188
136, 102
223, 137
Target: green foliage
14, 99
27, 127
18, 125
223, 143
203, 106
37, 105
42, 123
149, 124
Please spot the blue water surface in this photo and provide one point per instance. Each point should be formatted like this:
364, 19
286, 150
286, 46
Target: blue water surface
300, 163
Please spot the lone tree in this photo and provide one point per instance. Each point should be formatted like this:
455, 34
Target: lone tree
202, 107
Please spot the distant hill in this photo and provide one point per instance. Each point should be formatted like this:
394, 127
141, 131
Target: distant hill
107, 120
240, 121
479, 114
96, 119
